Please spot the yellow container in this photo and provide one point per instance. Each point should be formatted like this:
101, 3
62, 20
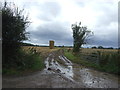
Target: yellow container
51, 44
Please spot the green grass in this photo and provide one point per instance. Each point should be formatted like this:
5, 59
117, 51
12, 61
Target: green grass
108, 61
25, 61
78, 60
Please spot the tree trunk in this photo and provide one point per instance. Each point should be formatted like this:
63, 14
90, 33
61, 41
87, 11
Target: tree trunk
76, 48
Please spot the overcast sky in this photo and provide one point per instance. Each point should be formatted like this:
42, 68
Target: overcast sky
52, 19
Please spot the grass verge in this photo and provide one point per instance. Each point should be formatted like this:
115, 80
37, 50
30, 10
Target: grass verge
78, 60
108, 62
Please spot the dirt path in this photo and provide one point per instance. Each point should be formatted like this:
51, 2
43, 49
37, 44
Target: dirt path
62, 73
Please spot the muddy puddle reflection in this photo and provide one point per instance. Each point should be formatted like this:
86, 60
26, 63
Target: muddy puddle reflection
62, 73
90, 78
52, 66
95, 79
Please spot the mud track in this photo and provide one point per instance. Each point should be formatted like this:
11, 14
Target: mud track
62, 73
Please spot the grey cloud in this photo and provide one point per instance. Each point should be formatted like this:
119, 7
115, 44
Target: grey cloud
105, 42
106, 19
104, 35
119, 24
60, 31
109, 13
52, 31
49, 11
80, 3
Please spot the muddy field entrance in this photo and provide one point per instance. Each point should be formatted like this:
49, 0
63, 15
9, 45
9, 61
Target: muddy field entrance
62, 73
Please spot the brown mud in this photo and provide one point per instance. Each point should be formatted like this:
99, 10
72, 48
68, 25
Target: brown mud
62, 73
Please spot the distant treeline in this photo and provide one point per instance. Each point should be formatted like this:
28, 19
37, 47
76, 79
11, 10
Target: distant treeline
94, 47
65, 46
29, 44
101, 47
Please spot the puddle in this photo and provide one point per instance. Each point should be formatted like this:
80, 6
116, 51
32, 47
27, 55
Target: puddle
67, 75
90, 78
54, 67
66, 61
97, 80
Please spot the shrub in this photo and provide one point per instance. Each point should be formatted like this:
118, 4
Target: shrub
14, 25
26, 60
